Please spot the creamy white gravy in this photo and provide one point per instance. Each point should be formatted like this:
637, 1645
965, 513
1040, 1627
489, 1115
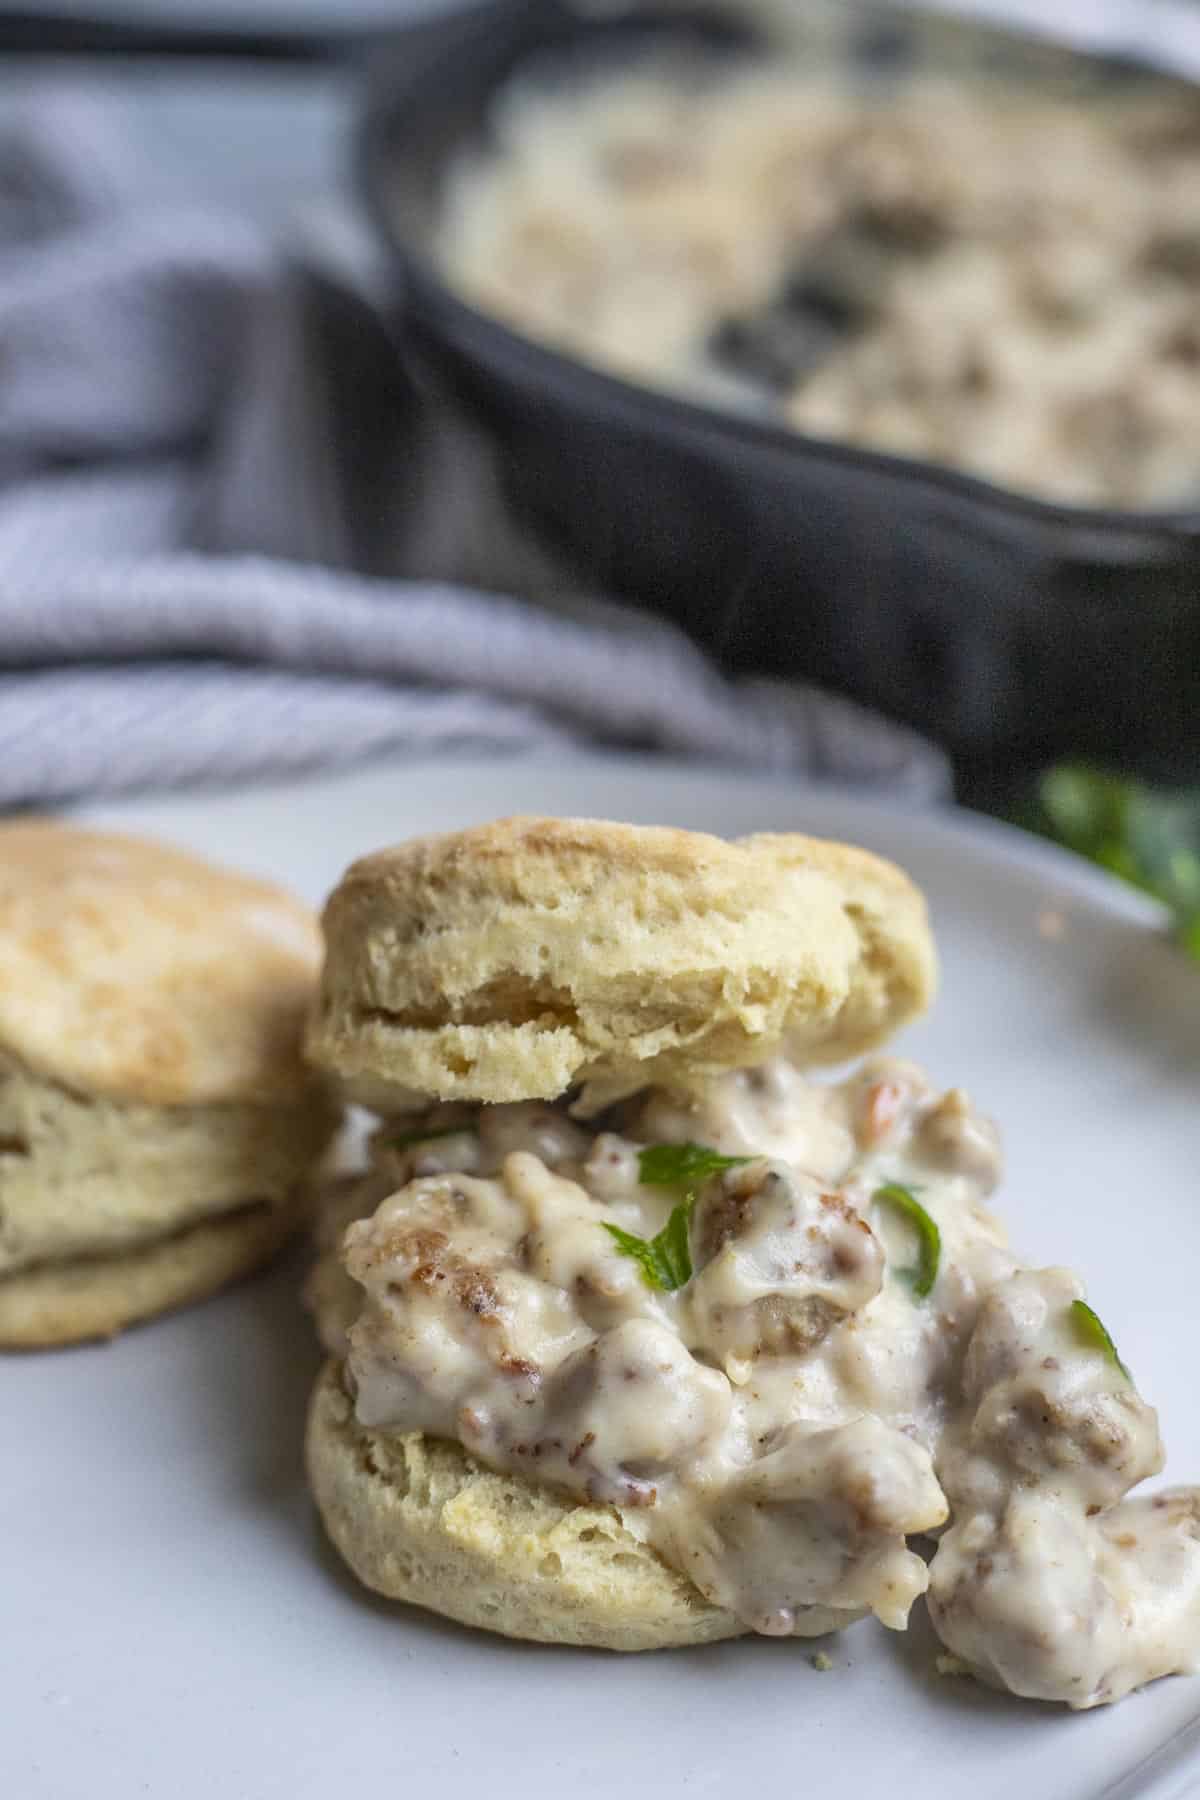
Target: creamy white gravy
1004, 281
781, 1424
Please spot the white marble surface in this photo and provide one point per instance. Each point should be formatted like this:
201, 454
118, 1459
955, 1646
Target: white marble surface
265, 141
269, 140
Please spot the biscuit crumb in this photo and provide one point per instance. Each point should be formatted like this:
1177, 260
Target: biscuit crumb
951, 1666
821, 1663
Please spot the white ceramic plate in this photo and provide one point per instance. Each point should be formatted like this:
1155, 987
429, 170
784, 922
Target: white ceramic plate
171, 1622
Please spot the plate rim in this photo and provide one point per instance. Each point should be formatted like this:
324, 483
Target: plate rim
947, 824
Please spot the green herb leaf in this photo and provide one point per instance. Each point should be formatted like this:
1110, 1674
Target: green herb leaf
929, 1238
672, 1244
404, 1140
666, 1260
1091, 1330
677, 1165
1149, 836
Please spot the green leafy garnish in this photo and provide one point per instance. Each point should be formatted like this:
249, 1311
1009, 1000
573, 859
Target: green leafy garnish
666, 1260
404, 1140
929, 1238
1092, 1330
1149, 836
679, 1165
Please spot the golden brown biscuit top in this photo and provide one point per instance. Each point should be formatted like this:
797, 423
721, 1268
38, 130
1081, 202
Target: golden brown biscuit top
141, 973
515, 959
896, 974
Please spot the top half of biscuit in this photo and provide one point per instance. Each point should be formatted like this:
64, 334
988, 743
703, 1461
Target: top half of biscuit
144, 975
520, 959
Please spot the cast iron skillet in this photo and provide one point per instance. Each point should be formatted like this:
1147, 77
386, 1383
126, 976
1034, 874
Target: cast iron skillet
1012, 630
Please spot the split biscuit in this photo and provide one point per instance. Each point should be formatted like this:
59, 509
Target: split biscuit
520, 961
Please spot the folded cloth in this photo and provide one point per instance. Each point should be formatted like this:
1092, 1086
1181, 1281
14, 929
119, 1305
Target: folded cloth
216, 484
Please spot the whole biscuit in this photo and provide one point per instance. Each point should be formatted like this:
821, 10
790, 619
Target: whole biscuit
515, 960
419, 1520
157, 1118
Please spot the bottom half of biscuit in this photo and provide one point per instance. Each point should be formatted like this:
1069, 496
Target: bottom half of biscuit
87, 1297
111, 1213
417, 1519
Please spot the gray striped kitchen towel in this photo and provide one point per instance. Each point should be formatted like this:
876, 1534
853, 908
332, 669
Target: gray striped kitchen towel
183, 546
